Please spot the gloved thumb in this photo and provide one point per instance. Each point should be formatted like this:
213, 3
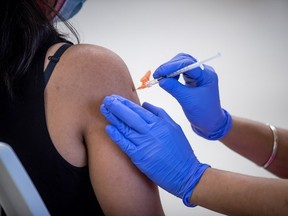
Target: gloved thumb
173, 87
159, 112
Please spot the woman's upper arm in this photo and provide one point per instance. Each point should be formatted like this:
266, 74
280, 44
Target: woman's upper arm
119, 186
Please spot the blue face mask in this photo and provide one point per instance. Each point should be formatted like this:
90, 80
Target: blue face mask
70, 8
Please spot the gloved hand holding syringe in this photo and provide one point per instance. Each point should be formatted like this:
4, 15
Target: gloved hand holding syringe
198, 96
146, 83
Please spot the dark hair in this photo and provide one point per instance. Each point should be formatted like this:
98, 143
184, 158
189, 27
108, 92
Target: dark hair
24, 28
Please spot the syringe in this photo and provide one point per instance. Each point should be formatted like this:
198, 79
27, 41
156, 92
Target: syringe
182, 70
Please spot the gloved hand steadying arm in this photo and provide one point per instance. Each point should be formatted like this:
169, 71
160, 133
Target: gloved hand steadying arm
155, 144
199, 97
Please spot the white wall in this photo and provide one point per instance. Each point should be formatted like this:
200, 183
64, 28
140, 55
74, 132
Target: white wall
252, 36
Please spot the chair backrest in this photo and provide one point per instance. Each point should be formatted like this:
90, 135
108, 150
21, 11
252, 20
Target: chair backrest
18, 195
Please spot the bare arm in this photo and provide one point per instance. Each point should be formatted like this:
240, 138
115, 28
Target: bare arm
120, 187
236, 194
254, 141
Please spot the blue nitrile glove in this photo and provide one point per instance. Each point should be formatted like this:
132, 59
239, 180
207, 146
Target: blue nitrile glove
155, 144
199, 97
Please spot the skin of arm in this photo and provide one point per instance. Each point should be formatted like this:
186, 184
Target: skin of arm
236, 194
82, 78
254, 140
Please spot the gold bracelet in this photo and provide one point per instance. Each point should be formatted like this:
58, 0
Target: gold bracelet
275, 146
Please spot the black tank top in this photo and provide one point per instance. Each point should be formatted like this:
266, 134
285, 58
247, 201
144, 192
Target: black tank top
64, 188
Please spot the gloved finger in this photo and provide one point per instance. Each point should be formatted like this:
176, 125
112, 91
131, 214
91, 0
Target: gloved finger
176, 89
179, 61
199, 76
114, 120
171, 85
145, 114
124, 129
159, 112
128, 147
124, 113
193, 77
109, 116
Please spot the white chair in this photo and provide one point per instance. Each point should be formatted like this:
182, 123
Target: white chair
18, 195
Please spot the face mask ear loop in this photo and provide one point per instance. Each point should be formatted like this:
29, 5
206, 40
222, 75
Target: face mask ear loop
59, 4
57, 8
50, 10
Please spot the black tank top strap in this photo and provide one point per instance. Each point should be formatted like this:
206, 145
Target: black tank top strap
53, 61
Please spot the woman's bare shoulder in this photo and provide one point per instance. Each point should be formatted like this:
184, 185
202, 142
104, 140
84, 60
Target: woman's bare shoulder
99, 69
84, 75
